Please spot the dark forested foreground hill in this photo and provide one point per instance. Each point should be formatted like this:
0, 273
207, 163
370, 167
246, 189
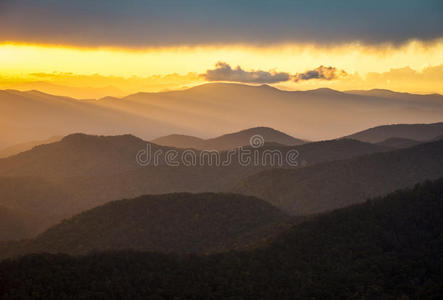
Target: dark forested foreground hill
170, 223
389, 248
342, 183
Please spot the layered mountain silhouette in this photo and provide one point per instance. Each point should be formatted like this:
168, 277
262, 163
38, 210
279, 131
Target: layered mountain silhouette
79, 172
337, 184
33, 115
374, 250
77, 155
16, 223
319, 152
210, 110
176, 223
399, 143
229, 141
15, 149
412, 98
418, 132
180, 141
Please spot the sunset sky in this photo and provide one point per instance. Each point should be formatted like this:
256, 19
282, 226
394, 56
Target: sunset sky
89, 49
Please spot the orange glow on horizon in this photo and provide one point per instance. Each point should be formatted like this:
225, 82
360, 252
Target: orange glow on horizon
156, 69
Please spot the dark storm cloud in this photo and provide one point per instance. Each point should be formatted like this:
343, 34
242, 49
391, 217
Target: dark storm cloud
144, 23
224, 72
322, 72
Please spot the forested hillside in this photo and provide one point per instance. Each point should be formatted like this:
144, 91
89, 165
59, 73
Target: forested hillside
386, 248
170, 223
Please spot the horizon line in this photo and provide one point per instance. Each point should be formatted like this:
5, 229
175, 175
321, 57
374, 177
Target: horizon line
348, 92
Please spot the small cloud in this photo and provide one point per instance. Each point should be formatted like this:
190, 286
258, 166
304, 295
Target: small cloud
224, 72
322, 72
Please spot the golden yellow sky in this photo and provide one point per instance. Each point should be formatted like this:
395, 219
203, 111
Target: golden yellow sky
95, 72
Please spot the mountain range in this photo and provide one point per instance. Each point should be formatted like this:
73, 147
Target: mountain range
211, 110
341, 183
22, 147
386, 248
58, 180
54, 181
398, 143
418, 132
229, 141
267, 228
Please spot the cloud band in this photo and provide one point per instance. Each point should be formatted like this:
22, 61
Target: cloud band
224, 72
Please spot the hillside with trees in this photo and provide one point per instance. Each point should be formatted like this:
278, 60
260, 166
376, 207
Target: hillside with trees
385, 248
169, 223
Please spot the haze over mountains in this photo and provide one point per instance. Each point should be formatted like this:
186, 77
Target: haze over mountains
18, 148
43, 182
65, 194
228, 141
399, 143
16, 224
234, 150
57, 180
210, 110
418, 132
79, 172
336, 184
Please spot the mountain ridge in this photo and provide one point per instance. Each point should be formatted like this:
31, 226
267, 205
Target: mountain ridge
331, 185
371, 250
398, 143
228, 84
420, 132
229, 141
207, 110
82, 171
22, 147
169, 223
